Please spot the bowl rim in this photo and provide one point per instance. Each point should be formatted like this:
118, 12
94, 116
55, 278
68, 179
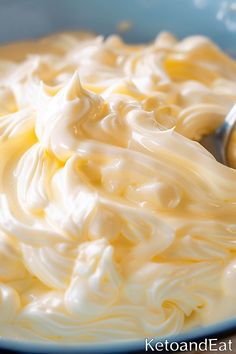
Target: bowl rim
219, 330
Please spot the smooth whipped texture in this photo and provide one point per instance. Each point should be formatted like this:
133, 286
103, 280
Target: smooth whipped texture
114, 223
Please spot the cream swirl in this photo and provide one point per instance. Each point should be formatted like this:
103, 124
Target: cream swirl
115, 223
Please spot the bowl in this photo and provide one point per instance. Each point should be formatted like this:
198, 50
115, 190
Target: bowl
28, 19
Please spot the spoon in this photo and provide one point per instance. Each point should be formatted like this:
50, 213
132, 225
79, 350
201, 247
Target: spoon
218, 143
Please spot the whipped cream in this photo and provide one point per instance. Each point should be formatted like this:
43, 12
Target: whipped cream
115, 223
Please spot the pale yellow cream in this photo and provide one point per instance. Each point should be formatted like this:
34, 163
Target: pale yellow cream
114, 223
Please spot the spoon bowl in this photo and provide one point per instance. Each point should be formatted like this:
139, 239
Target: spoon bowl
222, 143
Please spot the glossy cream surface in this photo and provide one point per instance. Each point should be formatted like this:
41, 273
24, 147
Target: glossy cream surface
115, 223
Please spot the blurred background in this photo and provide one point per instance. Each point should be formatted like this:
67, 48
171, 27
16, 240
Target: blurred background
136, 20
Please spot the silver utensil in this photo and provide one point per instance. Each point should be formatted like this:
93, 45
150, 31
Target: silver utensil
220, 143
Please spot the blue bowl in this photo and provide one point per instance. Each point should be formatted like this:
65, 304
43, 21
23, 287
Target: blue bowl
30, 18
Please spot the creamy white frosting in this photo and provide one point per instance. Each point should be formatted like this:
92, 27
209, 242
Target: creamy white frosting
114, 223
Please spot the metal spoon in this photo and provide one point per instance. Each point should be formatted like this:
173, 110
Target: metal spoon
218, 143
